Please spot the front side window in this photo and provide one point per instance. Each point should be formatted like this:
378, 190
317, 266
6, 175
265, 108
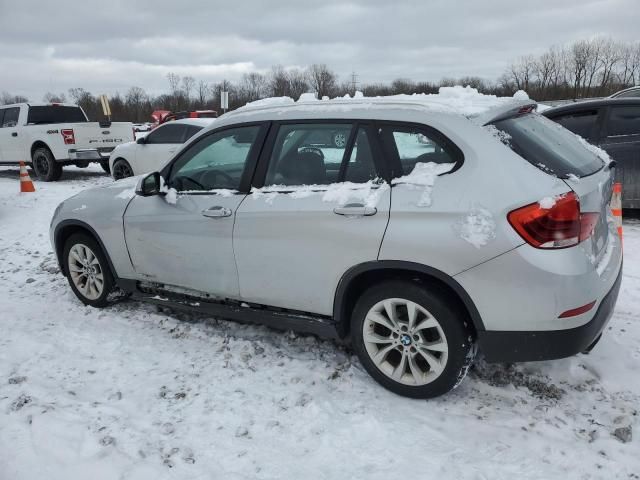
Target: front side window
216, 161
623, 121
170, 133
635, 93
580, 123
10, 118
308, 154
191, 131
410, 146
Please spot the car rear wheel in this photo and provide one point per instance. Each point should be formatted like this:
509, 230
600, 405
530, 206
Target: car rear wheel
87, 270
122, 169
412, 338
45, 166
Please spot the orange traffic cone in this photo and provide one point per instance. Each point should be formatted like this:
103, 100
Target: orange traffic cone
26, 185
616, 207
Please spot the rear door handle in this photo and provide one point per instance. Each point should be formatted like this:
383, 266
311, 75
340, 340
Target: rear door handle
356, 210
14, 134
217, 212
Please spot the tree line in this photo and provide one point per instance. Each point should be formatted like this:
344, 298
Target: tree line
586, 68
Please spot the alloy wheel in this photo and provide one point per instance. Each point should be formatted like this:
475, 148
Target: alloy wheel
85, 271
405, 341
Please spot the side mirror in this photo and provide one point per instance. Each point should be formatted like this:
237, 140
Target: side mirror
149, 185
141, 140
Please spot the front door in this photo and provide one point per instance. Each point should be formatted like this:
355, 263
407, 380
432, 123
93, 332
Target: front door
621, 140
184, 238
323, 210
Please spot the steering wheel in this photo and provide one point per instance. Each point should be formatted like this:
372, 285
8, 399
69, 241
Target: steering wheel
315, 150
230, 180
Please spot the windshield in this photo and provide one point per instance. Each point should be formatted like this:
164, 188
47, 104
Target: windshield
55, 114
548, 146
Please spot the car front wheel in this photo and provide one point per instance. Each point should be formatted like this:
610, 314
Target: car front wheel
87, 270
122, 169
412, 338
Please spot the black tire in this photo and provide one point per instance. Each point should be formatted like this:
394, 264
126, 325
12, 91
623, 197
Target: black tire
121, 169
45, 166
82, 239
105, 165
451, 319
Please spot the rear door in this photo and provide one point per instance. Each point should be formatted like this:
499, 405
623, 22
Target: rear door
159, 146
621, 140
11, 142
323, 210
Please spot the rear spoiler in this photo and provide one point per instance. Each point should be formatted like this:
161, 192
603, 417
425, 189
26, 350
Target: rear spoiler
511, 109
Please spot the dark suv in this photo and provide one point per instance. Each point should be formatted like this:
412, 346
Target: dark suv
614, 125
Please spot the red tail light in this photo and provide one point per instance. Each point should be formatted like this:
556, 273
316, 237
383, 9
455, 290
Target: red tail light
68, 136
560, 226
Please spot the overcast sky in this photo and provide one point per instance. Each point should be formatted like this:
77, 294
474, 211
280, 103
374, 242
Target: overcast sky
110, 45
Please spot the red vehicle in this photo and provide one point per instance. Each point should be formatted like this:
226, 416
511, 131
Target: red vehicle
164, 116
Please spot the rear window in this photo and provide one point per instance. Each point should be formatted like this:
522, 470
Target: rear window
55, 114
548, 146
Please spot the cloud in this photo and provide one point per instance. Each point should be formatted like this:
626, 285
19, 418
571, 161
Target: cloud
109, 46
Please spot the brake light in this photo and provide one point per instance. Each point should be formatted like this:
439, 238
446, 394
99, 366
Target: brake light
577, 311
560, 226
68, 136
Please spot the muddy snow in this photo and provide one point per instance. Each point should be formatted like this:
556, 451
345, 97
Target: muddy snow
133, 392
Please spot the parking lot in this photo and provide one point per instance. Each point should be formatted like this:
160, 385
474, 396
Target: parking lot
137, 392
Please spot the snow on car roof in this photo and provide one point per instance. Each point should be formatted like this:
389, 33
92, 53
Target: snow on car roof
465, 101
201, 122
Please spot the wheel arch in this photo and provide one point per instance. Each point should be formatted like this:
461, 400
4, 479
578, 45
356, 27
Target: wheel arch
64, 230
40, 144
358, 278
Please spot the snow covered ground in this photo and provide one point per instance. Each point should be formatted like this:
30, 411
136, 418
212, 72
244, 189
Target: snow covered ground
131, 392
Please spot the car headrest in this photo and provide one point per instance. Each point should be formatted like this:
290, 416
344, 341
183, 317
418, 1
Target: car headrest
303, 168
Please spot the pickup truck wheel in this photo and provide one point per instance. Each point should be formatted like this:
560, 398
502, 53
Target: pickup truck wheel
105, 165
87, 270
45, 166
411, 338
122, 169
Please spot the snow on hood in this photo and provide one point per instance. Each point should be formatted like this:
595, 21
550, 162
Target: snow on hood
457, 99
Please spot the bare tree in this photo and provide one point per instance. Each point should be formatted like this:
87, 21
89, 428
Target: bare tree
322, 80
7, 99
136, 99
50, 97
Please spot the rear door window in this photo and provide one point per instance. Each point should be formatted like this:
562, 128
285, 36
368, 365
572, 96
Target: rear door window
10, 118
170, 133
52, 114
548, 146
623, 121
407, 146
580, 123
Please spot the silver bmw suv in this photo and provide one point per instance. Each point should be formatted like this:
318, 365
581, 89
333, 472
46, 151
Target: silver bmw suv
426, 236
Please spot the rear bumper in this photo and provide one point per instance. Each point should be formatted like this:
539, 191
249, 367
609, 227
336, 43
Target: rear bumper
95, 154
523, 346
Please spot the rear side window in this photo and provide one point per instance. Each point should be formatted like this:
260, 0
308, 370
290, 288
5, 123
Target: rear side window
580, 123
55, 114
623, 121
169, 133
548, 146
191, 131
407, 146
10, 118
309, 154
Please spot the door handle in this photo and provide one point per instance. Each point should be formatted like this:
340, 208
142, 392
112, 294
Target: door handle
217, 212
355, 210
14, 134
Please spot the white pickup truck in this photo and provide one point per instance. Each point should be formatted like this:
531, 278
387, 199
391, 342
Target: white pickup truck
49, 136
